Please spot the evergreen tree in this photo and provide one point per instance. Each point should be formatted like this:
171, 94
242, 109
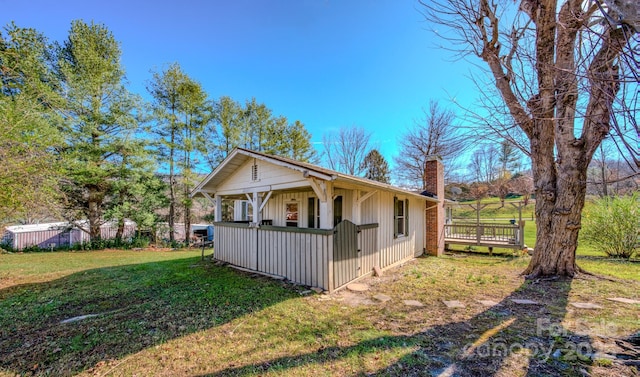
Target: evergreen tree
254, 127
196, 113
227, 116
28, 100
182, 113
300, 147
100, 121
375, 167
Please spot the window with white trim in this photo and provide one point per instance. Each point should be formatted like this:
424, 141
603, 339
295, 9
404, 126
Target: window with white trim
400, 217
291, 214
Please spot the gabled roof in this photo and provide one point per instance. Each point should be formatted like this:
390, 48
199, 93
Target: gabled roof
239, 156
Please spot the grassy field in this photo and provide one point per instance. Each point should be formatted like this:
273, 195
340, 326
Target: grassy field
170, 314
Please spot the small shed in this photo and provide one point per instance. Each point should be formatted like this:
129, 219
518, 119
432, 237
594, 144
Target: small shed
312, 225
57, 234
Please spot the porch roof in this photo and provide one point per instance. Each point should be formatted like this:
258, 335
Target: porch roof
239, 156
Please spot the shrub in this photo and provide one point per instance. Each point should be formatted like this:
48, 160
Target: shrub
140, 242
612, 225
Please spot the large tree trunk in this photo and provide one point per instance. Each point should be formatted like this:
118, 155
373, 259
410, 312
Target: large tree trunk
558, 216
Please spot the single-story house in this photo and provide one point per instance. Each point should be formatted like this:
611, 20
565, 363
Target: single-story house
316, 226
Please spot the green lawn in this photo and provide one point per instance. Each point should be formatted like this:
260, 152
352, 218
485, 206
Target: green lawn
168, 313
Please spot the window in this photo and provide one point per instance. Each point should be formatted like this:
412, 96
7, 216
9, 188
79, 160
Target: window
337, 210
400, 217
292, 214
242, 210
313, 214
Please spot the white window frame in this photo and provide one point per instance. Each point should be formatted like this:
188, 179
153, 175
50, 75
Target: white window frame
400, 218
289, 222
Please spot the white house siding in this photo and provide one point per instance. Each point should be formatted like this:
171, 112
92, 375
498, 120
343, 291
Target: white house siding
276, 207
369, 209
393, 250
237, 245
369, 253
268, 174
300, 257
347, 203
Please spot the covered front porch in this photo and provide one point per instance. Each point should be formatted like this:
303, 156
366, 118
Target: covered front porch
307, 224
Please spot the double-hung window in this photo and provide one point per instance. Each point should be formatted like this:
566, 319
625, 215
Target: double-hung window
400, 217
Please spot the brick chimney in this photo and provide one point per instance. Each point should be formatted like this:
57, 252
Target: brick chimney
435, 217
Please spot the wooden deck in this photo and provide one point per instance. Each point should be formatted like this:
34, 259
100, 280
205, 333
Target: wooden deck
488, 235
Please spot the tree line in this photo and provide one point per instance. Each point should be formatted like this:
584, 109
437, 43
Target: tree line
78, 144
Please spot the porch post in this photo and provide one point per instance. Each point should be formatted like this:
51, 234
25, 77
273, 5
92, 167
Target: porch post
218, 211
256, 204
355, 210
326, 206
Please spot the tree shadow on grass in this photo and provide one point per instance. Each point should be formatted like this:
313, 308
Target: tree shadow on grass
504, 340
135, 306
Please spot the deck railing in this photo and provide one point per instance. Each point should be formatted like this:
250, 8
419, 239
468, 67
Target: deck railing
509, 235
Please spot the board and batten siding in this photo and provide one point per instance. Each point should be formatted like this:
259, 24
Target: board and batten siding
368, 246
394, 250
275, 209
301, 256
236, 244
268, 175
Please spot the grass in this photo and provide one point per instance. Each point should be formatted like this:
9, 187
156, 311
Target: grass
168, 313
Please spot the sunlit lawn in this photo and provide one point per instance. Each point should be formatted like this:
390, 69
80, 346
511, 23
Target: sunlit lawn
168, 313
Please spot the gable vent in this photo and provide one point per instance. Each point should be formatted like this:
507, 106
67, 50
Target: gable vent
254, 172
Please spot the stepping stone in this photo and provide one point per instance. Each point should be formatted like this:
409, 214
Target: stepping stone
415, 303
624, 300
585, 305
488, 302
382, 298
358, 287
520, 301
453, 304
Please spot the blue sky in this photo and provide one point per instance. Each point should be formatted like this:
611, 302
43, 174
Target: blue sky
373, 64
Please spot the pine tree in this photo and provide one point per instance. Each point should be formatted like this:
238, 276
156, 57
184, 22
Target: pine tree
100, 121
29, 172
375, 167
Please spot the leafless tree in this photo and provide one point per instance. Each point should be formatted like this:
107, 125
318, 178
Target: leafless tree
344, 151
484, 164
434, 135
523, 185
562, 70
